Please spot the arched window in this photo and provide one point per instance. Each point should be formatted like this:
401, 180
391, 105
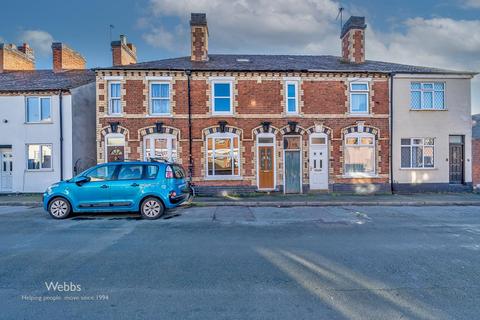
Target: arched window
223, 155
160, 146
359, 154
114, 147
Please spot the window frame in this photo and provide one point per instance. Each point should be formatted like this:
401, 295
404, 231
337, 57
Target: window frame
40, 98
213, 82
41, 157
295, 83
167, 136
360, 135
110, 99
224, 135
169, 98
422, 145
357, 92
422, 91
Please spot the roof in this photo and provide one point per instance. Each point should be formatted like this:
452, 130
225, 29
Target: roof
476, 126
44, 80
245, 62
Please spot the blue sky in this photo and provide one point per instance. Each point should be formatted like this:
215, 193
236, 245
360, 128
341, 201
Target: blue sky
442, 33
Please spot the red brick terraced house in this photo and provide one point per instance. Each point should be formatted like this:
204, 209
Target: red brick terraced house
290, 123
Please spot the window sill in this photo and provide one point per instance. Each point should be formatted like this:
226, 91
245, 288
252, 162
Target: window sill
418, 169
223, 178
360, 114
428, 109
39, 122
115, 115
159, 115
220, 114
360, 176
39, 170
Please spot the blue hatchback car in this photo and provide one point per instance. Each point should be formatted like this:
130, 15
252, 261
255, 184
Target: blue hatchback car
148, 187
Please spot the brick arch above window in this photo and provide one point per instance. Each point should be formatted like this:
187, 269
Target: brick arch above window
327, 130
362, 128
287, 130
142, 132
259, 129
108, 129
216, 129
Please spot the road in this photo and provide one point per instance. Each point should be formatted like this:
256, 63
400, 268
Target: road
243, 263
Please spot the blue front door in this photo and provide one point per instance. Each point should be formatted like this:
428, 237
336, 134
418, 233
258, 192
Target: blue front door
292, 172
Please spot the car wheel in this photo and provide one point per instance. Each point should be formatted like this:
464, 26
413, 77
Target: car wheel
59, 208
152, 208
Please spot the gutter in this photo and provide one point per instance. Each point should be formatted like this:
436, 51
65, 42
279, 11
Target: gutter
60, 95
190, 155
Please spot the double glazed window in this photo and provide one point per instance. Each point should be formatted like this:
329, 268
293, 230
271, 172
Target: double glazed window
359, 154
427, 96
39, 109
114, 98
222, 97
160, 146
223, 155
291, 96
417, 153
39, 157
160, 98
359, 96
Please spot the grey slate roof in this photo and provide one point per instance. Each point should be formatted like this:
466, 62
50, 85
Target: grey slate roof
44, 80
476, 126
230, 62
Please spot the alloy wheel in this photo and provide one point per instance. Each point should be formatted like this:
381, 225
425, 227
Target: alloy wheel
59, 208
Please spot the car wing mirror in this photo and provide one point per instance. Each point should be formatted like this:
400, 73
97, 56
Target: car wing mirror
81, 180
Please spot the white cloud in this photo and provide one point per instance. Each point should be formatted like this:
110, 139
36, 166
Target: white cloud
309, 27
472, 3
39, 40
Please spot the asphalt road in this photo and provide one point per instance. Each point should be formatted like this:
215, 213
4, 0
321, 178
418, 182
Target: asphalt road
243, 263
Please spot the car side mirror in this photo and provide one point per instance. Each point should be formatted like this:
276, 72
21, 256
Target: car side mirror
81, 180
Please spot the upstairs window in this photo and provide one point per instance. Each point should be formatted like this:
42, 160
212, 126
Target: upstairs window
427, 96
417, 153
114, 98
291, 96
222, 97
359, 96
39, 109
160, 98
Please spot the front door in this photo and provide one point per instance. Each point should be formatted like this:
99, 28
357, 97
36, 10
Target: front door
292, 162
266, 166
6, 170
456, 156
318, 163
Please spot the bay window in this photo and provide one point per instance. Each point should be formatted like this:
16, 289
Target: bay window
359, 154
160, 146
223, 155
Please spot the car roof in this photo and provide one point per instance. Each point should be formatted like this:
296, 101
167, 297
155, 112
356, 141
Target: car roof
138, 163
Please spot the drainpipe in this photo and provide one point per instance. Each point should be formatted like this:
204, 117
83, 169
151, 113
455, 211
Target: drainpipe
190, 156
60, 113
391, 131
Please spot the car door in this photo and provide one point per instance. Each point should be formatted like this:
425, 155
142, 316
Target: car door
127, 186
95, 193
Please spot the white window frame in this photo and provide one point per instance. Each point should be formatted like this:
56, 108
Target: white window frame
422, 91
110, 99
153, 136
41, 156
114, 135
287, 83
224, 135
363, 92
360, 135
422, 145
228, 81
169, 113
40, 98
272, 144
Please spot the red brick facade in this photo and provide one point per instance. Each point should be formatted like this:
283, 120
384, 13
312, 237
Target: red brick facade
323, 102
476, 162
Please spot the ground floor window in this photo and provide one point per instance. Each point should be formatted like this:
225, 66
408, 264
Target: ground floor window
39, 156
359, 154
115, 147
160, 146
223, 155
417, 152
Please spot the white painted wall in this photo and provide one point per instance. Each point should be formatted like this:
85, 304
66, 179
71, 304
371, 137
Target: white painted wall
455, 120
18, 133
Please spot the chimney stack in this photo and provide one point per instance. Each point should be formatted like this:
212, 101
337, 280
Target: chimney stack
199, 34
65, 58
13, 58
353, 40
123, 53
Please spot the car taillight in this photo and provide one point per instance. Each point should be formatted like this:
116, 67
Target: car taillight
169, 173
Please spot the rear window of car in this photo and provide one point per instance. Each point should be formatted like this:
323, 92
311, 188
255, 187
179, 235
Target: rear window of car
151, 172
178, 172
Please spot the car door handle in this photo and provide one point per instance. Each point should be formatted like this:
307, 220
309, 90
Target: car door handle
104, 186
134, 184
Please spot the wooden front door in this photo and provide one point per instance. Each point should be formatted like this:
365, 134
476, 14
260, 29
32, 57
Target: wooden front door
266, 168
292, 172
456, 153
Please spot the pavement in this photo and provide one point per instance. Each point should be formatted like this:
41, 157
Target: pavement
339, 262
309, 199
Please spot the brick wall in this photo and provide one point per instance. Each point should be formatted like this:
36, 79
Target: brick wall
65, 58
11, 58
324, 99
476, 162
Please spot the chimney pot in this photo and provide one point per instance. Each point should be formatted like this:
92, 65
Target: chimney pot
353, 40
